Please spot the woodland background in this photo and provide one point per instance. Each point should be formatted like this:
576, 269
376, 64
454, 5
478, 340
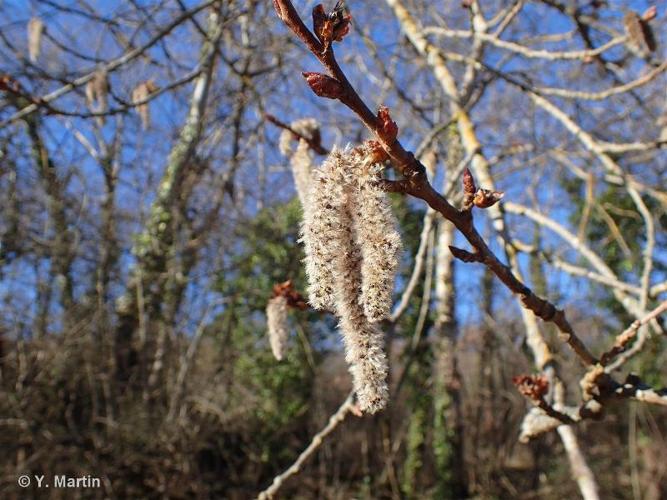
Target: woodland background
138, 252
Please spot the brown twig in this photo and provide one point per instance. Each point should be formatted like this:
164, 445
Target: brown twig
313, 143
415, 182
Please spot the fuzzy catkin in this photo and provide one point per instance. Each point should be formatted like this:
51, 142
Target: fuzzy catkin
323, 229
364, 342
140, 93
378, 239
302, 165
352, 249
97, 92
35, 30
307, 127
276, 320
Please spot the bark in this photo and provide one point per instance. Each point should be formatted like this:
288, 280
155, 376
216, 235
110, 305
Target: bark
155, 244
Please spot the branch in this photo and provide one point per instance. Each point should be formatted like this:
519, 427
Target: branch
316, 442
624, 339
415, 182
108, 67
314, 145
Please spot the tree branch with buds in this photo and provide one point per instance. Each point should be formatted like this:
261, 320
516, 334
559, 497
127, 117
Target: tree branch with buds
414, 182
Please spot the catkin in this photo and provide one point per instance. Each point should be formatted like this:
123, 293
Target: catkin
139, 94
97, 92
307, 127
323, 229
301, 161
35, 30
364, 342
378, 239
352, 248
302, 165
276, 320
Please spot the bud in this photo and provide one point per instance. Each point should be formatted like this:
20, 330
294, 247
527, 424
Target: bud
650, 13
332, 26
324, 85
340, 18
322, 28
469, 189
485, 198
534, 387
388, 128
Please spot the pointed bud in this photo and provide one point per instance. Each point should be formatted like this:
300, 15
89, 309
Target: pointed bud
323, 85
469, 187
340, 18
389, 129
485, 198
322, 28
650, 13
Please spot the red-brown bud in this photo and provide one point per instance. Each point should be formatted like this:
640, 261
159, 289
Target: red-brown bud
389, 129
376, 152
321, 25
332, 26
294, 298
323, 85
534, 387
485, 198
469, 187
650, 13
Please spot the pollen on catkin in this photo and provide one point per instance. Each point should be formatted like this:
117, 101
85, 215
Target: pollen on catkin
276, 321
324, 228
378, 238
364, 342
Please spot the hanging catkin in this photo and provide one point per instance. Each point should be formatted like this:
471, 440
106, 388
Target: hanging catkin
639, 33
35, 30
276, 320
301, 161
307, 127
364, 342
378, 239
139, 94
352, 251
97, 93
324, 229
302, 164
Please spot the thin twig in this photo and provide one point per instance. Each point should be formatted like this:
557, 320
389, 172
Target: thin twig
316, 442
